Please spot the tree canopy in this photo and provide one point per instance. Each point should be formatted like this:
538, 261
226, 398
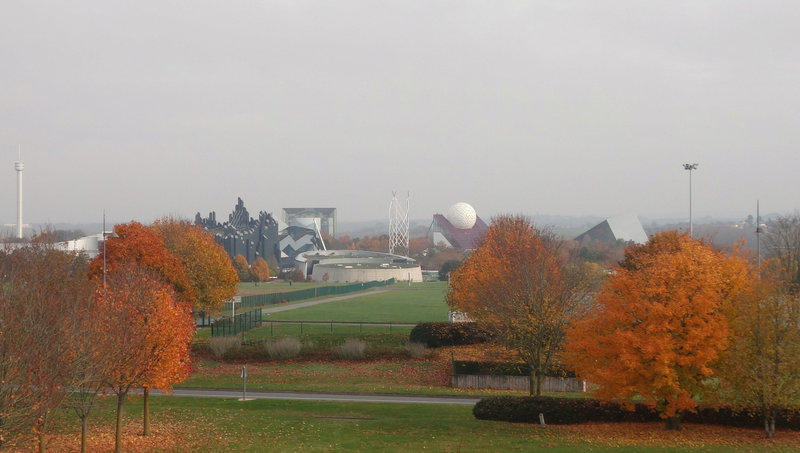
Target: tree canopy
208, 268
658, 325
525, 287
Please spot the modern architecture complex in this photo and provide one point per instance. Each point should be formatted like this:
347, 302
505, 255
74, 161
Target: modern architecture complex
460, 227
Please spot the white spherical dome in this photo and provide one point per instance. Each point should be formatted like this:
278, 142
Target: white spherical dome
462, 216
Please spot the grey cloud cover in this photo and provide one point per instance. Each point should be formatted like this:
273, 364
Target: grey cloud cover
566, 107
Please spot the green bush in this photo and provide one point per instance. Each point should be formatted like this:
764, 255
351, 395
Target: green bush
560, 411
437, 334
503, 369
566, 411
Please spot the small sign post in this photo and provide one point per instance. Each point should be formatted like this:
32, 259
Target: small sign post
244, 382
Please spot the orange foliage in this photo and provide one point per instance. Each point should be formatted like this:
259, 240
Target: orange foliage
659, 323
148, 331
521, 284
242, 268
208, 267
260, 269
141, 245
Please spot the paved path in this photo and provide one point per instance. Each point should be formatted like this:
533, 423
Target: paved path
340, 397
310, 303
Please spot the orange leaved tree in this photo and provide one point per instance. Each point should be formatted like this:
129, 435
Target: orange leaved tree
208, 267
242, 268
658, 324
260, 269
148, 333
139, 244
525, 287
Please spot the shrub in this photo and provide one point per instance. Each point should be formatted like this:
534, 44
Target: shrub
284, 348
223, 346
582, 410
351, 349
504, 369
415, 350
436, 334
559, 410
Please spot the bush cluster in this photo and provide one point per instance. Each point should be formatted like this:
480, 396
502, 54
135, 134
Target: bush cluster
351, 349
503, 369
436, 334
560, 411
567, 411
283, 348
224, 347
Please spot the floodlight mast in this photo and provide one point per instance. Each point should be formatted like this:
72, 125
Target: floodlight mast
690, 167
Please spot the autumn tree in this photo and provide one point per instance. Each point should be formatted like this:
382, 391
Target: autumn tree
45, 304
209, 270
525, 287
242, 268
139, 244
658, 324
782, 245
758, 370
149, 330
260, 270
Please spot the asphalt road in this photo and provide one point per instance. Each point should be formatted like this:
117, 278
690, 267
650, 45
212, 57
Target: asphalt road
339, 397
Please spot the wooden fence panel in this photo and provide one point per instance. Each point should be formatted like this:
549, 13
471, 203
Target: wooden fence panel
550, 384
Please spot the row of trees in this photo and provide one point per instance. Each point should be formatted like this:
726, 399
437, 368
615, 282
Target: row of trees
71, 328
675, 322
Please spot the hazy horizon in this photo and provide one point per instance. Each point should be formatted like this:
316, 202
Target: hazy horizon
560, 108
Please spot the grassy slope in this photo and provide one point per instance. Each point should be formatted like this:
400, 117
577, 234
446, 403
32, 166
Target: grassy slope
416, 303
195, 424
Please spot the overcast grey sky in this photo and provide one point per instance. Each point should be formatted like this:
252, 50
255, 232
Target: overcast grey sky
150, 108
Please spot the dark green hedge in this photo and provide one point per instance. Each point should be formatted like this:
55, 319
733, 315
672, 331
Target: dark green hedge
560, 411
503, 369
582, 410
436, 334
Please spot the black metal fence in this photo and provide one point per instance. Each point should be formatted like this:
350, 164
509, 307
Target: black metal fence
228, 326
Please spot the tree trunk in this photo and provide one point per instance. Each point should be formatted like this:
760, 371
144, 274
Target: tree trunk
118, 432
673, 423
41, 428
769, 426
535, 384
146, 421
84, 432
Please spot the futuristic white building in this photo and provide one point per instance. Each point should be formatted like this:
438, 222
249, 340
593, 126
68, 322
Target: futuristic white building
460, 227
357, 266
624, 227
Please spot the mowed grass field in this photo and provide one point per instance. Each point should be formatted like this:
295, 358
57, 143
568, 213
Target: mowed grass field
222, 425
419, 302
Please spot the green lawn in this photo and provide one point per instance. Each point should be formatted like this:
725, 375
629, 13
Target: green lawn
222, 425
420, 302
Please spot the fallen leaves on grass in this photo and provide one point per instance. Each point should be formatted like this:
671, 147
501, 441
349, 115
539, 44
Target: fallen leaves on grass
165, 435
692, 435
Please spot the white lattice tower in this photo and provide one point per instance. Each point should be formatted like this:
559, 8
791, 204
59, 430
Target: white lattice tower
399, 227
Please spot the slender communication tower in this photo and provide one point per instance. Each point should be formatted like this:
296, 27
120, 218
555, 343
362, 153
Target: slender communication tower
19, 166
399, 227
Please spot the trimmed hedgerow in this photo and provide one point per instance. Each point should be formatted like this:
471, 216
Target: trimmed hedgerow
503, 369
560, 411
436, 334
566, 411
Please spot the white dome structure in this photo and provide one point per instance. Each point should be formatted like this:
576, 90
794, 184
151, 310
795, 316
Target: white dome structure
462, 216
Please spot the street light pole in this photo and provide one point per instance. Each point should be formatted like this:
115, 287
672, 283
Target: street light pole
690, 167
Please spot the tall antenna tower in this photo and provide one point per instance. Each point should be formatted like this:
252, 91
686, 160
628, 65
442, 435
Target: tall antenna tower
399, 227
19, 166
